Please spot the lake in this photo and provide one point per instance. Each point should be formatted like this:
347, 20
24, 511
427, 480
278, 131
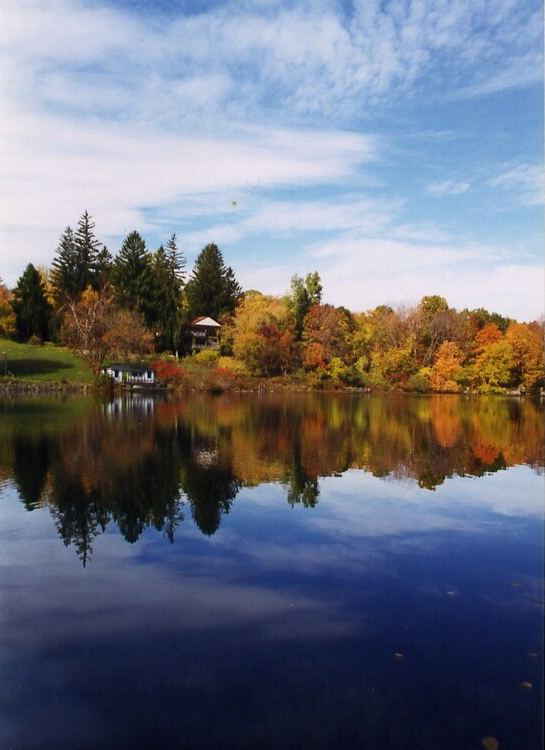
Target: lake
271, 571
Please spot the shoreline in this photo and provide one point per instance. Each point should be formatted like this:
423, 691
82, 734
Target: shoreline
37, 387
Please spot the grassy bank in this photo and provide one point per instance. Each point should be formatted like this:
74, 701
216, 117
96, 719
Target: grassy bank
41, 364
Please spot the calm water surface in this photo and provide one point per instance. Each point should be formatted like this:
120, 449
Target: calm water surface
271, 572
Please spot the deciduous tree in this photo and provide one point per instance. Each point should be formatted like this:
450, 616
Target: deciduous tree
7, 316
304, 294
526, 340
446, 367
94, 329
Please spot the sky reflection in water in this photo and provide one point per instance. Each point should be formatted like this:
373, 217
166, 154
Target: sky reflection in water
282, 551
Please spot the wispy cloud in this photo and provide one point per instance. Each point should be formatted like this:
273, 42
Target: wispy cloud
448, 187
524, 182
159, 121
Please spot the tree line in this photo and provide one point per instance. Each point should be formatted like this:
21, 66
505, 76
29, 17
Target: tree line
142, 300
426, 347
141, 289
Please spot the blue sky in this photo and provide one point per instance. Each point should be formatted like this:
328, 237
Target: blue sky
396, 147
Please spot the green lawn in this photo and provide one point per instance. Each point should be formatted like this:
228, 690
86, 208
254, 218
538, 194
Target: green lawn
47, 363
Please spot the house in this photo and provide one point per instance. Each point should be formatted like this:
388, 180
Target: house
204, 333
130, 373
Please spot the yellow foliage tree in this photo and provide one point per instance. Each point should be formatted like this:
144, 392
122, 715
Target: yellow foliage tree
526, 340
7, 316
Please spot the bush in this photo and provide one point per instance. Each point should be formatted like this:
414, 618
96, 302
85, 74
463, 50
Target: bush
168, 372
35, 341
420, 381
208, 357
230, 363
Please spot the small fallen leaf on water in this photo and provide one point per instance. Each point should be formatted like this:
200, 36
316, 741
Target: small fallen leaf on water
526, 685
451, 593
531, 655
399, 656
234, 203
490, 743
515, 584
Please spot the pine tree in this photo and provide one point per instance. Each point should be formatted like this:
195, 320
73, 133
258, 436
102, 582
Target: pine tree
32, 310
78, 256
133, 277
213, 289
64, 268
103, 268
87, 249
176, 260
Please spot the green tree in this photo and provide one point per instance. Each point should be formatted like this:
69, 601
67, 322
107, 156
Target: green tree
305, 293
87, 249
166, 308
104, 266
176, 261
133, 277
78, 261
64, 268
32, 310
213, 289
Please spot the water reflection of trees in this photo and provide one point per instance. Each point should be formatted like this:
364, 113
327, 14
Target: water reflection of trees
143, 463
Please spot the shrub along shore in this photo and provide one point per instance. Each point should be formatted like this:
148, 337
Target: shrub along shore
48, 369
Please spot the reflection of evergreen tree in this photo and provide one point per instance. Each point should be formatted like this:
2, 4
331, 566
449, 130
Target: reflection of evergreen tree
148, 492
210, 491
79, 515
31, 459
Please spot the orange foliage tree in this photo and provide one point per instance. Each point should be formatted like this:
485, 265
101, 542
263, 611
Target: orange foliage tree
446, 367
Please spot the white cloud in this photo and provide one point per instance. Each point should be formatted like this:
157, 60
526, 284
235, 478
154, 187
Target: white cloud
522, 181
361, 272
119, 171
448, 187
154, 122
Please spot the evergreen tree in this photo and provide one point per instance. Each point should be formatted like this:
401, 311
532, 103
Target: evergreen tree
104, 265
176, 260
166, 302
213, 289
87, 249
133, 277
75, 266
64, 268
32, 310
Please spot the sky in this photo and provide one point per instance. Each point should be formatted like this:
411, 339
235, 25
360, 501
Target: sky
396, 147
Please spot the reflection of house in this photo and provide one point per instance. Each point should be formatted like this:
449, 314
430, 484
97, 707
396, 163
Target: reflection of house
130, 373
204, 333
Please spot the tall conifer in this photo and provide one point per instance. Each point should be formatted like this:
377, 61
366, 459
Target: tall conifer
87, 248
213, 289
133, 277
32, 310
64, 268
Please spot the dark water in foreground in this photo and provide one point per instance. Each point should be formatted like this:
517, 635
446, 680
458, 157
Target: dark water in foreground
271, 572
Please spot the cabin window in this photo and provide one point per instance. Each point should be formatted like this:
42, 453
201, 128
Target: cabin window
116, 373
150, 374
